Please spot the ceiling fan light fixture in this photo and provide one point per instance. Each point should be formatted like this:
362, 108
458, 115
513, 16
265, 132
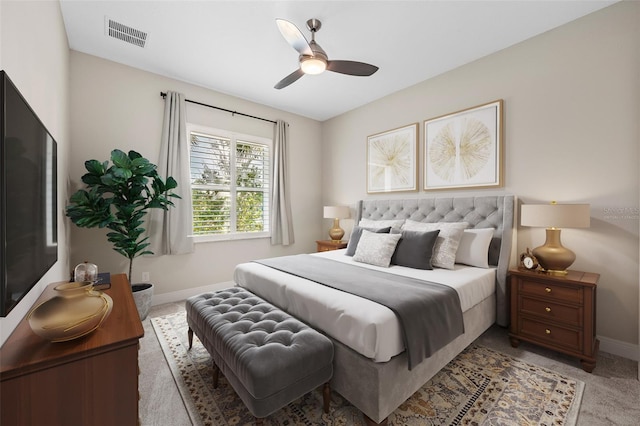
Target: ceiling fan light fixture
313, 59
313, 65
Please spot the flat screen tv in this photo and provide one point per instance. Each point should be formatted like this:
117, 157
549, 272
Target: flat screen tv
28, 199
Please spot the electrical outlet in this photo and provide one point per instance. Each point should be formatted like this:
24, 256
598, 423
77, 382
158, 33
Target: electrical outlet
146, 277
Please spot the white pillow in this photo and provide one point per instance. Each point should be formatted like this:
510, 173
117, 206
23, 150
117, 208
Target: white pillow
444, 252
473, 249
376, 249
394, 224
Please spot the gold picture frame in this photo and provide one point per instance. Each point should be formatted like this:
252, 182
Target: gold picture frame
392, 160
464, 149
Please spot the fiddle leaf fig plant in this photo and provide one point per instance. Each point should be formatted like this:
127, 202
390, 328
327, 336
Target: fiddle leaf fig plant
117, 196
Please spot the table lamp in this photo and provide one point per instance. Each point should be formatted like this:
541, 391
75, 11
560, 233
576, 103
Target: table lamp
553, 257
336, 213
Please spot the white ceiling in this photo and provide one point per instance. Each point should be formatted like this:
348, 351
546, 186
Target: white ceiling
235, 47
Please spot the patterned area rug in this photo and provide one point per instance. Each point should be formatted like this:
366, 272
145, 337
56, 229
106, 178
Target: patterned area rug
479, 387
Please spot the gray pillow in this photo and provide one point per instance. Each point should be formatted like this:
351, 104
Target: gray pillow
355, 237
375, 248
415, 249
447, 243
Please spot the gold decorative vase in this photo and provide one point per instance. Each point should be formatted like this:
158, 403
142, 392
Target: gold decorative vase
75, 310
336, 233
554, 258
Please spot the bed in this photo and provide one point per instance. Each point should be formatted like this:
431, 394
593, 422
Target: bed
371, 368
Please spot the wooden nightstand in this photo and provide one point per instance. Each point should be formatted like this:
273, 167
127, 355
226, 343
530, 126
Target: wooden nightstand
557, 312
328, 245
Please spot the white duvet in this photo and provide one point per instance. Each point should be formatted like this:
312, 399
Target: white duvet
365, 326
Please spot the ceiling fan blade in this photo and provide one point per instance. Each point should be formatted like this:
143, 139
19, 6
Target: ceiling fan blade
289, 79
294, 37
352, 68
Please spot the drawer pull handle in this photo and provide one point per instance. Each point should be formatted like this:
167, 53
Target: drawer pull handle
548, 309
547, 289
547, 331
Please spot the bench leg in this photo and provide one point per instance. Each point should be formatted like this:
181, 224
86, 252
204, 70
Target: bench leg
326, 397
216, 373
190, 334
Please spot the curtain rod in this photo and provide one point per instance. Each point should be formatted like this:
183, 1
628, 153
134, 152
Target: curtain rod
164, 95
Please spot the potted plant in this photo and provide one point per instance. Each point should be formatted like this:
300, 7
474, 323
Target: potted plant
117, 197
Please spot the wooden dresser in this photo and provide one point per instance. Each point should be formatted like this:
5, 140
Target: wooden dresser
557, 312
92, 380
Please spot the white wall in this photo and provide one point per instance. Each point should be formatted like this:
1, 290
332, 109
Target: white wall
115, 106
35, 54
571, 108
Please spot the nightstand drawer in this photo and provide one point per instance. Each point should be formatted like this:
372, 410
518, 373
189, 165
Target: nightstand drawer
548, 310
552, 291
551, 334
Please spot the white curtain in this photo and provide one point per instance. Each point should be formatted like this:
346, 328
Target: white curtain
281, 220
169, 231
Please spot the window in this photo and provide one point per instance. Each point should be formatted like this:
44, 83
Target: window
230, 178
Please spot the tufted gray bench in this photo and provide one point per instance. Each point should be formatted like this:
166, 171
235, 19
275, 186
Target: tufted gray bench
268, 357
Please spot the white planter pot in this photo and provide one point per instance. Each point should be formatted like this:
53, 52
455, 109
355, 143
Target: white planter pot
143, 296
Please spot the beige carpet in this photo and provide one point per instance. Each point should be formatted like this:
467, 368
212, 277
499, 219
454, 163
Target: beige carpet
481, 386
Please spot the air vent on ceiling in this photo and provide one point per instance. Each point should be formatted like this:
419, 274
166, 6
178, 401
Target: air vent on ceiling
125, 33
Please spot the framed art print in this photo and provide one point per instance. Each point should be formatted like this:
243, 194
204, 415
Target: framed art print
391, 160
464, 149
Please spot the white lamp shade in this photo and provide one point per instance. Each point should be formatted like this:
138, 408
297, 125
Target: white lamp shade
336, 212
555, 215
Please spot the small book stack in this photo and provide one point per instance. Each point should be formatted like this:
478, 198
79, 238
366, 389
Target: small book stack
103, 281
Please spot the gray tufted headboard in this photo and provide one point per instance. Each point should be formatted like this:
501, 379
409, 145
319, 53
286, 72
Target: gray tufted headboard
480, 212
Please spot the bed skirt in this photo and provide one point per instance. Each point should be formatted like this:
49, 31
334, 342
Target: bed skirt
377, 389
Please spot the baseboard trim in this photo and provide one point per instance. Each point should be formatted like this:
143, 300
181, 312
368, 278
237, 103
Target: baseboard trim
620, 348
176, 296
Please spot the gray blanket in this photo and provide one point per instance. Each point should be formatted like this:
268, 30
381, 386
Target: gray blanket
429, 313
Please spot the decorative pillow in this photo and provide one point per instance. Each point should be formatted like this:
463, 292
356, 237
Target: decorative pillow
474, 247
376, 249
447, 243
415, 249
355, 237
376, 224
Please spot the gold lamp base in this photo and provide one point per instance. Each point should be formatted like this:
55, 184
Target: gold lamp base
336, 233
553, 257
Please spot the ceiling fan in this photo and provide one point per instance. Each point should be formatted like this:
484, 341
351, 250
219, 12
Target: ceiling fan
313, 59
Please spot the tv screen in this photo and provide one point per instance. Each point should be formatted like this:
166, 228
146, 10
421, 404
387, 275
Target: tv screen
28, 202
